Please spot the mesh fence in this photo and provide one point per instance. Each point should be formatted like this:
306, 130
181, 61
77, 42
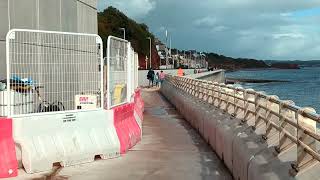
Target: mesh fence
49, 71
117, 59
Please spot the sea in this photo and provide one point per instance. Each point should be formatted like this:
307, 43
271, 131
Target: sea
303, 86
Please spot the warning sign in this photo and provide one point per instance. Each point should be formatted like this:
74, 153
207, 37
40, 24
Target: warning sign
86, 102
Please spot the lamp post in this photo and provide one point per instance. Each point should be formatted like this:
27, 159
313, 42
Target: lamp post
150, 52
124, 32
146, 62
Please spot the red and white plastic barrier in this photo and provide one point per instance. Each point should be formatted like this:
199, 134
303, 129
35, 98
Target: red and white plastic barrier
128, 129
8, 160
128, 122
138, 107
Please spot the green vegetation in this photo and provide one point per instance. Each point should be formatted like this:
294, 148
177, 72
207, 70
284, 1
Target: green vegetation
111, 19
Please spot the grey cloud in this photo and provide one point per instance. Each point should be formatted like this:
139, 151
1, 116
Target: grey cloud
239, 28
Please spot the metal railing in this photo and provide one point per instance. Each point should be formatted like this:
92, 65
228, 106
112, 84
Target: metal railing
289, 124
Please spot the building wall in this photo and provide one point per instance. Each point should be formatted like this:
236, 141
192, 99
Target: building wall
53, 15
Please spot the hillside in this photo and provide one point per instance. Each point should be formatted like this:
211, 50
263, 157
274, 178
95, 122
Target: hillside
221, 61
109, 22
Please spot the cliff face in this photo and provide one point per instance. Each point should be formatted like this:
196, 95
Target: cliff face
109, 22
285, 66
220, 61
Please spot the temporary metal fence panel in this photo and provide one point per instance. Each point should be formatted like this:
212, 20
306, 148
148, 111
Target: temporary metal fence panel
52, 71
136, 69
132, 72
118, 73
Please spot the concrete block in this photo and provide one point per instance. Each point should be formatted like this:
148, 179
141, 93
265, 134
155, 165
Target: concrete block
204, 108
245, 146
265, 162
209, 130
268, 166
226, 132
193, 114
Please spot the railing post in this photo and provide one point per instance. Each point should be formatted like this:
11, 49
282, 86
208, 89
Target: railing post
246, 106
240, 102
284, 142
260, 102
189, 86
215, 95
219, 97
180, 80
193, 89
234, 114
304, 159
196, 89
206, 92
200, 95
186, 84
256, 111
229, 92
269, 117
210, 93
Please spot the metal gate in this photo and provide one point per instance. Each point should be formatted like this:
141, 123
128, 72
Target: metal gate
51, 71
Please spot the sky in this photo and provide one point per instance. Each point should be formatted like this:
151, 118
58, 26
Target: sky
266, 30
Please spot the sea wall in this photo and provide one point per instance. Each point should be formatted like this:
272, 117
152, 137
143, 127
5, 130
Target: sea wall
214, 76
258, 137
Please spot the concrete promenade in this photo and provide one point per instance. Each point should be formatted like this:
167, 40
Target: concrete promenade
170, 149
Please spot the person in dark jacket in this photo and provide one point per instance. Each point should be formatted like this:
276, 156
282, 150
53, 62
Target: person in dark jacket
150, 77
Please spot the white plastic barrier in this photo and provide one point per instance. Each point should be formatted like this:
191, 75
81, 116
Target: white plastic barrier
65, 138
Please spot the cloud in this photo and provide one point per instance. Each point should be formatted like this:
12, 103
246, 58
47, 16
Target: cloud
219, 28
288, 35
270, 29
205, 22
286, 14
133, 8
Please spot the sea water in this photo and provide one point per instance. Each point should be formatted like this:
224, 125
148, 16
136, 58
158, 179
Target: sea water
303, 86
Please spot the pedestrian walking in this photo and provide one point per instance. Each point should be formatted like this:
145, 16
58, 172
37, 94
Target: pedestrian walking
157, 79
180, 72
150, 77
162, 76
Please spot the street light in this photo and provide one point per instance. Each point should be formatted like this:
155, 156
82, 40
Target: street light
124, 32
150, 52
146, 62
